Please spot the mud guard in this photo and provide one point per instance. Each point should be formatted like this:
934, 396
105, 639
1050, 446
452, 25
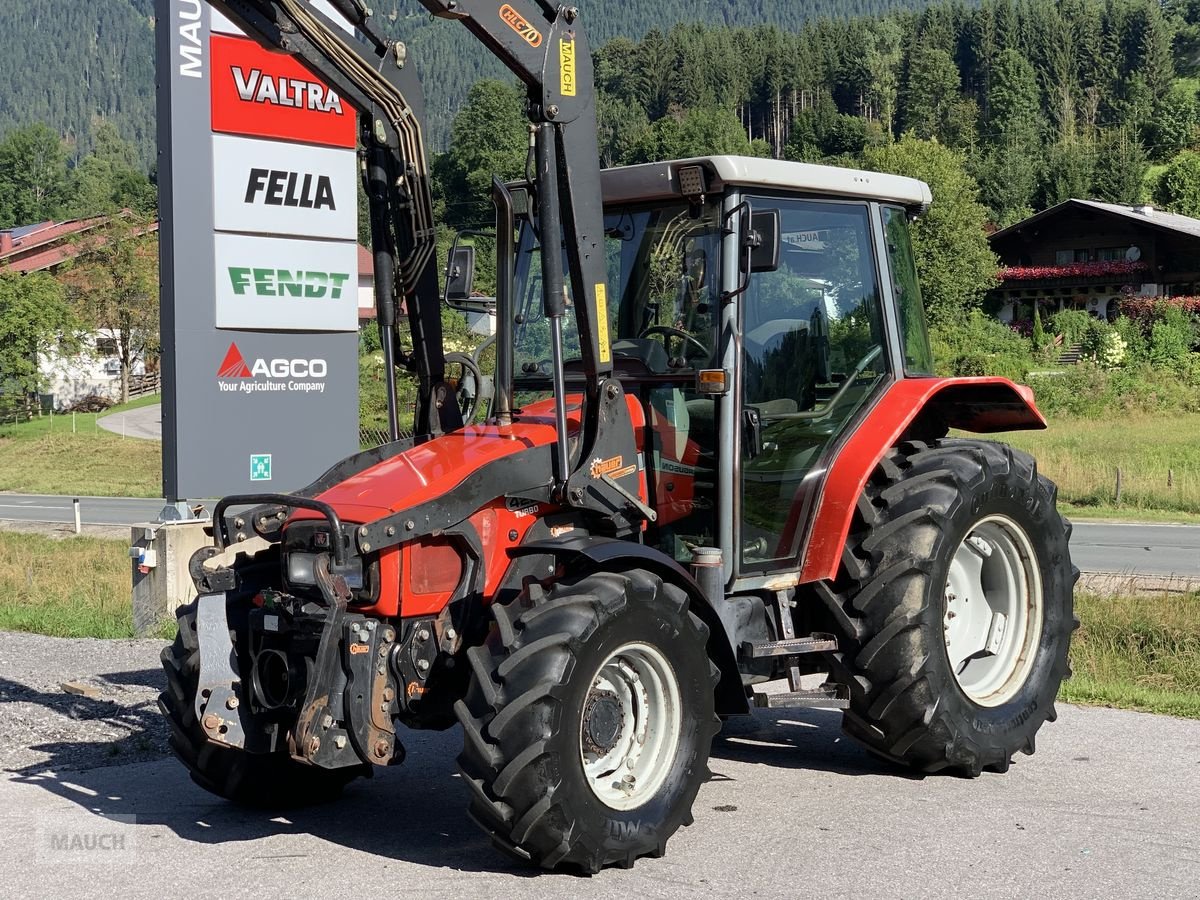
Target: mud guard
613, 555
912, 408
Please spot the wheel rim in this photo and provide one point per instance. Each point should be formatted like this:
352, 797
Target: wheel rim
629, 728
993, 614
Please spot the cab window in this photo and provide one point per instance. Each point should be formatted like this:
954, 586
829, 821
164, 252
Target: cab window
813, 352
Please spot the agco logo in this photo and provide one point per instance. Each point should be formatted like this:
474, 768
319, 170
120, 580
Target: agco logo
270, 374
520, 25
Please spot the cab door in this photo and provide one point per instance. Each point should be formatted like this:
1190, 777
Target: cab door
814, 352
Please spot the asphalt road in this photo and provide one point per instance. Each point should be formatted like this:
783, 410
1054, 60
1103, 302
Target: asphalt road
92, 510
1107, 808
1095, 547
144, 422
1137, 549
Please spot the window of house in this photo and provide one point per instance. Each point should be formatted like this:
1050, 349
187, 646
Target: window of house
1066, 257
1110, 254
106, 346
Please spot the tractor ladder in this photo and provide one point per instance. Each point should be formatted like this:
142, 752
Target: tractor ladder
828, 696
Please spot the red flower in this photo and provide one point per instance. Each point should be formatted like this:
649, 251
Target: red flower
1073, 270
1143, 308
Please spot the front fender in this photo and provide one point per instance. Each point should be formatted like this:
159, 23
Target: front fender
612, 555
912, 408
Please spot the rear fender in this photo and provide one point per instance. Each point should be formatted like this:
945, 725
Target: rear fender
594, 554
911, 409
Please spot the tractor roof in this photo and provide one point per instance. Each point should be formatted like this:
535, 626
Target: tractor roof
655, 181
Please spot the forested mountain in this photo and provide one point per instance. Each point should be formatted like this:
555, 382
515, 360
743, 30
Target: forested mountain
63, 62
450, 60
1044, 99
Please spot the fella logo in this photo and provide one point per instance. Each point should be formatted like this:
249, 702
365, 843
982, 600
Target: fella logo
234, 365
300, 189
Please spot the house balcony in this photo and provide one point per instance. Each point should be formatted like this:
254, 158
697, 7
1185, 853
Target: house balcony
1079, 273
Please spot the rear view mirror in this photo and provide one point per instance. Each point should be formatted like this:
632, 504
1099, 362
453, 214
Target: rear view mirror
460, 273
764, 241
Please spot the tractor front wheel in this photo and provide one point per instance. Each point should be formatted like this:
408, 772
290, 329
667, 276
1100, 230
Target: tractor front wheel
956, 588
588, 721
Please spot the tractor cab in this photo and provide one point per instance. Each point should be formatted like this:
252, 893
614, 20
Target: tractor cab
755, 308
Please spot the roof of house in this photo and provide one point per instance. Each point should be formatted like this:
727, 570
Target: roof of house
44, 245
1143, 215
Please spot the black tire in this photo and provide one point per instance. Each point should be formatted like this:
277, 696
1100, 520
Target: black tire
523, 711
905, 701
269, 781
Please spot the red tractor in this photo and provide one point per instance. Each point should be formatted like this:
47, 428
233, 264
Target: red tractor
715, 456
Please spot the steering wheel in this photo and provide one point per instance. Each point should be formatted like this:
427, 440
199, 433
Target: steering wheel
675, 333
469, 392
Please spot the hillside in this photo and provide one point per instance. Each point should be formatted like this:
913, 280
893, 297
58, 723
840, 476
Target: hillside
63, 63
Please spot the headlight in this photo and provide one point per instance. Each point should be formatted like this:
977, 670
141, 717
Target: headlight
300, 568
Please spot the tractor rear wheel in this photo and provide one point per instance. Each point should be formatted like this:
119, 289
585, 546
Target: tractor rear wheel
588, 721
270, 781
956, 590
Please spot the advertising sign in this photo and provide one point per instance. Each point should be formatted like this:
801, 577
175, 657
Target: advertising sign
260, 92
273, 284
270, 187
258, 268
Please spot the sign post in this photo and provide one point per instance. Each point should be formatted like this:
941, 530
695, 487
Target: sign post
258, 202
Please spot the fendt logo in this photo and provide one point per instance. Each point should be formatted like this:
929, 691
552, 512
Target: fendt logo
270, 374
287, 283
281, 188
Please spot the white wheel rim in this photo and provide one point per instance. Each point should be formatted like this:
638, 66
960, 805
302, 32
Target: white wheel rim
993, 615
629, 727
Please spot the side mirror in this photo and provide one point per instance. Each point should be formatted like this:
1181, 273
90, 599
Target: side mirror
460, 273
765, 240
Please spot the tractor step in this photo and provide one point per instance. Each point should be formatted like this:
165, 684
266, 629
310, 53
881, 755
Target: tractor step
816, 643
827, 696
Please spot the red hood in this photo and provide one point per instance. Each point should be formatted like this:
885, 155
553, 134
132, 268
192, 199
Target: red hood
430, 470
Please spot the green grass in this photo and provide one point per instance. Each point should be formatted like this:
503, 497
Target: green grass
1137, 653
74, 587
95, 464
1158, 455
55, 455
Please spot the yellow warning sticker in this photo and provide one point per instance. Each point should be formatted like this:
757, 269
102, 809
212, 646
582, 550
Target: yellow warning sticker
602, 322
566, 67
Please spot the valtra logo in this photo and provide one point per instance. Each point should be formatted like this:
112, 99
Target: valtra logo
259, 93
235, 374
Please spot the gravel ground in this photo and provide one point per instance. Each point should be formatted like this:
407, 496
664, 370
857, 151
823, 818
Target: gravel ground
47, 729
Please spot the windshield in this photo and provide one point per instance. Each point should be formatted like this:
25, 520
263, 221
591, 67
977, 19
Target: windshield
663, 285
